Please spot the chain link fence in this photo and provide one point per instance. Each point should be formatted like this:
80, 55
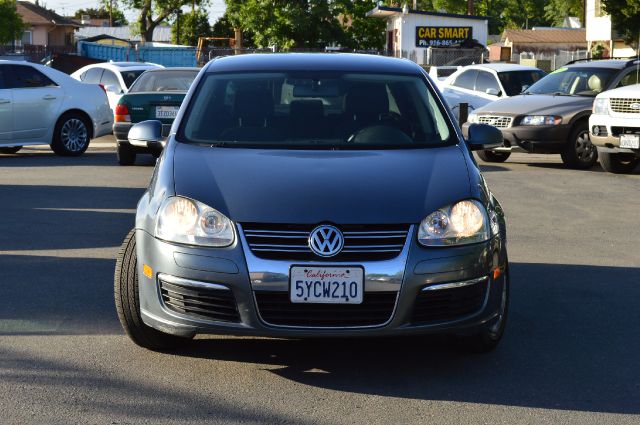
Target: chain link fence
453, 57
549, 61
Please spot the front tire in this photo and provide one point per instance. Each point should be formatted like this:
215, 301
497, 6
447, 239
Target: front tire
71, 135
10, 150
580, 153
127, 301
619, 163
490, 156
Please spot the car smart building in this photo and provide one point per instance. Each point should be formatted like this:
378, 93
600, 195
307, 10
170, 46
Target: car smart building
410, 32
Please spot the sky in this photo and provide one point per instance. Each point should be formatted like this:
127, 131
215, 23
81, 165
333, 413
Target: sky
68, 7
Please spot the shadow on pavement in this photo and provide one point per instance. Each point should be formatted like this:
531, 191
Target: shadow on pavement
33, 159
64, 217
84, 394
571, 344
491, 168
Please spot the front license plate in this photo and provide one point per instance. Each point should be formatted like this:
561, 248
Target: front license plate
326, 285
630, 141
166, 111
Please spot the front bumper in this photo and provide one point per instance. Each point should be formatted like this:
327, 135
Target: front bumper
235, 272
609, 129
533, 139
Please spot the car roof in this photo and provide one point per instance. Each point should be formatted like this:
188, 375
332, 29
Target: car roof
609, 63
349, 62
176, 68
502, 67
124, 66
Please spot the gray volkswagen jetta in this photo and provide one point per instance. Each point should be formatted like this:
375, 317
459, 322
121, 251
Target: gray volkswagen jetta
314, 195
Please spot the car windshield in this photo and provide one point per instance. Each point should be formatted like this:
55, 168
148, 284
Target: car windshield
515, 82
166, 80
130, 76
580, 81
316, 109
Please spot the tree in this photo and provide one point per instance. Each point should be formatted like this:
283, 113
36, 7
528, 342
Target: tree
11, 25
193, 25
154, 12
625, 18
360, 31
557, 10
102, 12
287, 24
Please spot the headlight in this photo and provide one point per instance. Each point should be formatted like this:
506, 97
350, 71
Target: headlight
472, 118
183, 220
462, 223
601, 106
541, 120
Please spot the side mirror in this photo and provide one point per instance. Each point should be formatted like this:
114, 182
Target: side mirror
112, 88
492, 91
145, 133
482, 137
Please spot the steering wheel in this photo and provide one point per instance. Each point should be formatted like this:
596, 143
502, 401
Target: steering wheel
380, 134
396, 120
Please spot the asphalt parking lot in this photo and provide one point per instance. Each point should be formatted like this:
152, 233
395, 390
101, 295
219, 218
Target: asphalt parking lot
570, 353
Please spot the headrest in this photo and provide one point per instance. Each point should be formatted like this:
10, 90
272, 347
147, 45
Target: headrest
252, 107
367, 101
595, 83
306, 110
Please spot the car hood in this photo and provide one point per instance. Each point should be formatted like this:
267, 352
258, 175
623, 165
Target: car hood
339, 186
538, 104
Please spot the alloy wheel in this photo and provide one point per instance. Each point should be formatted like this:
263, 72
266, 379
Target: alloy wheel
74, 135
585, 150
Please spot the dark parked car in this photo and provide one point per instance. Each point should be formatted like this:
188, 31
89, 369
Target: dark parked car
308, 195
156, 94
552, 116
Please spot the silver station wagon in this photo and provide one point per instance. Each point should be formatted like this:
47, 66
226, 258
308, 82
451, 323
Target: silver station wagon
314, 195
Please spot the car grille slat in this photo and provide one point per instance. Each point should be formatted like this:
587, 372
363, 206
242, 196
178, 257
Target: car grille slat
448, 304
200, 302
495, 120
290, 241
275, 308
623, 106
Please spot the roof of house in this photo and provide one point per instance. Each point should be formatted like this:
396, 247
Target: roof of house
160, 33
33, 14
559, 36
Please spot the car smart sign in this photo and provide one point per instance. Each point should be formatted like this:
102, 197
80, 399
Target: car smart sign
441, 36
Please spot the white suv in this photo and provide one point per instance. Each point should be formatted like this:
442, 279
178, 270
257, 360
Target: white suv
114, 77
615, 128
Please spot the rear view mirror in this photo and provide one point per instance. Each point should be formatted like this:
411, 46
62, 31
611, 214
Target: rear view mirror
483, 136
145, 133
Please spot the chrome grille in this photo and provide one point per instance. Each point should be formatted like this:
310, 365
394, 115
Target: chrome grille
496, 121
290, 241
624, 106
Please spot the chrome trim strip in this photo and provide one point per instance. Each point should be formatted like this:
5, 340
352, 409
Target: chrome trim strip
188, 282
452, 285
273, 275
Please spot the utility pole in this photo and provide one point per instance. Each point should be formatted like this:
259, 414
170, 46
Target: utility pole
178, 12
110, 13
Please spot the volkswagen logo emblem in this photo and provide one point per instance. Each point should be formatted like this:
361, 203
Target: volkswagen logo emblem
326, 241
635, 106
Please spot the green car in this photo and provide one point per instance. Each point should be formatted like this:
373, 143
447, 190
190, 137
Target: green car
156, 95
